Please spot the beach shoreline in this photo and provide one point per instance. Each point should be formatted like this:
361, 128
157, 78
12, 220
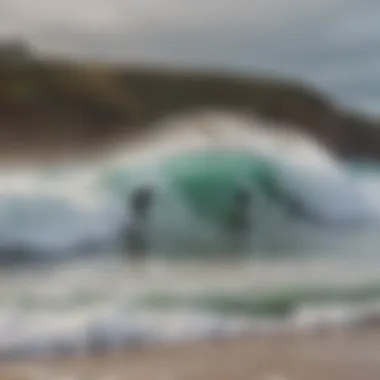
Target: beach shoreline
341, 355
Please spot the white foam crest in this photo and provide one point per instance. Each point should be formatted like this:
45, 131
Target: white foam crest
335, 316
224, 130
51, 333
53, 212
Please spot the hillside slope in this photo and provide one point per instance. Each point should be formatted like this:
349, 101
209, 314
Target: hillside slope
53, 106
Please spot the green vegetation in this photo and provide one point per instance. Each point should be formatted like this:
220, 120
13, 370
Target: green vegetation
70, 104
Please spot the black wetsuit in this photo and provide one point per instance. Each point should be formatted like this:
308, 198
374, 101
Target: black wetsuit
239, 220
135, 242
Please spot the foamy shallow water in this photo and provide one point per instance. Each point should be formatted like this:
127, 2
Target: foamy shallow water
78, 308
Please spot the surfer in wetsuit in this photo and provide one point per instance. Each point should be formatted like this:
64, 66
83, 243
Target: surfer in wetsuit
140, 203
296, 207
239, 221
292, 204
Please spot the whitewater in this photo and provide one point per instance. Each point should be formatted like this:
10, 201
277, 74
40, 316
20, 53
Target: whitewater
73, 214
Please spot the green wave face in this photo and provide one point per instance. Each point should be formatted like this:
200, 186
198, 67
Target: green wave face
207, 181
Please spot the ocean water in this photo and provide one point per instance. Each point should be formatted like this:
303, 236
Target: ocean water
66, 286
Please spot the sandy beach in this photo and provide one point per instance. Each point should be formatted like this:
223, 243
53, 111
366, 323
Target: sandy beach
340, 356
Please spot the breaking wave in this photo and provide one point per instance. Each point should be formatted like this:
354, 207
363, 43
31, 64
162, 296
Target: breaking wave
194, 164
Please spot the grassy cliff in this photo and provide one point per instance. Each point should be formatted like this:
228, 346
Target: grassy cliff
48, 105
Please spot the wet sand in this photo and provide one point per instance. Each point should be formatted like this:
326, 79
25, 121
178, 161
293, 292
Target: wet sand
339, 356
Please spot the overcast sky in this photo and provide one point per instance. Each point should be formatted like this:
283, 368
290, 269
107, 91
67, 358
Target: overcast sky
332, 43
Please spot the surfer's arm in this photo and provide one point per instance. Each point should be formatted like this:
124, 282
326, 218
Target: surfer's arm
296, 206
291, 203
